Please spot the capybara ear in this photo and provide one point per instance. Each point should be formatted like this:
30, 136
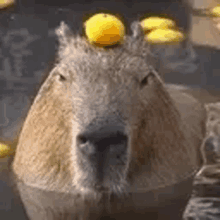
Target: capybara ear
64, 34
137, 30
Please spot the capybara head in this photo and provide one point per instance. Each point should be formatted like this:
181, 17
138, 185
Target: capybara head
211, 145
210, 149
102, 118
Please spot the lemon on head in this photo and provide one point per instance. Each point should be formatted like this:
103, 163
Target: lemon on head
164, 36
5, 150
216, 11
104, 29
157, 23
6, 3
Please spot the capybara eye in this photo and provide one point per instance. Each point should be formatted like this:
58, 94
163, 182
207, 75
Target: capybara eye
145, 80
212, 118
62, 77
81, 139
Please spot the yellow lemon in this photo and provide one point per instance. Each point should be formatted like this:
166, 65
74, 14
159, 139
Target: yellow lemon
216, 11
104, 29
5, 3
5, 150
157, 22
164, 36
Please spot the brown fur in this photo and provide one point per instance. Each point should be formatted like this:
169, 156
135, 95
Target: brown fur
211, 148
95, 86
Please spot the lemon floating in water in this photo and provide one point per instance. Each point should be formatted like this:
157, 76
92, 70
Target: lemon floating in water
157, 23
6, 3
216, 11
104, 29
164, 36
5, 150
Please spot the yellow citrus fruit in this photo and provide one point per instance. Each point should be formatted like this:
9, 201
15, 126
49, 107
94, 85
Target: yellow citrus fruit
104, 29
164, 36
157, 22
216, 11
5, 150
6, 3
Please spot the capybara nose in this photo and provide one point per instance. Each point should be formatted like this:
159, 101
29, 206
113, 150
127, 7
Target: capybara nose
110, 139
209, 145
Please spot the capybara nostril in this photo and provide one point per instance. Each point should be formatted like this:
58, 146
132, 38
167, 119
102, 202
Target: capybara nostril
81, 139
104, 139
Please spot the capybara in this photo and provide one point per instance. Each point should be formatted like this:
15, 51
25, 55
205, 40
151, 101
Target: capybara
205, 200
106, 138
211, 146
